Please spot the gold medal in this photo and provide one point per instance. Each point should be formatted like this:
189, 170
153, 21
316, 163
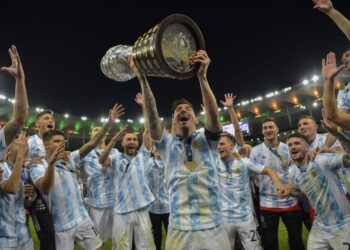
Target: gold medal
237, 170
195, 144
190, 165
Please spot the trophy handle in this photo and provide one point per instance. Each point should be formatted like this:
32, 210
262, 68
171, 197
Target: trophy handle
115, 65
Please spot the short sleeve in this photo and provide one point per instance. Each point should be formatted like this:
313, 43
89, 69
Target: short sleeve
36, 172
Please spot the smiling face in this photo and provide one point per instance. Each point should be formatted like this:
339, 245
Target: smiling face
130, 144
307, 127
45, 123
225, 148
184, 120
270, 130
298, 148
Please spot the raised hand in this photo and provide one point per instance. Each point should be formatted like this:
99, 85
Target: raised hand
139, 99
58, 153
29, 190
201, 56
329, 67
116, 112
323, 5
22, 144
16, 69
229, 100
120, 135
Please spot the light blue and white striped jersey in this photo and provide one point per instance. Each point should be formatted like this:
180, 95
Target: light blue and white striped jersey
193, 191
278, 159
99, 179
343, 97
157, 184
3, 145
317, 181
235, 194
64, 201
131, 189
319, 141
36, 147
13, 228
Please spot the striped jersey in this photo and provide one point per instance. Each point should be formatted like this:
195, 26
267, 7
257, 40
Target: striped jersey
36, 147
343, 98
235, 194
3, 145
319, 142
193, 186
64, 201
13, 228
131, 189
99, 179
278, 159
157, 185
316, 179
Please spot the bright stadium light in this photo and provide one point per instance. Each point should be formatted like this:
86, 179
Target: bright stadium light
103, 119
129, 121
2, 97
315, 104
66, 115
84, 118
315, 78
142, 120
117, 120
305, 82
161, 118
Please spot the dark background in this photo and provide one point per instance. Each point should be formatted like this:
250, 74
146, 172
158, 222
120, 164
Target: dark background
255, 46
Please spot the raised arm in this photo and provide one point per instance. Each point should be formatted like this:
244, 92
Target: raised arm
45, 183
147, 141
331, 112
229, 98
104, 159
150, 107
332, 129
114, 113
13, 183
20, 111
341, 21
212, 122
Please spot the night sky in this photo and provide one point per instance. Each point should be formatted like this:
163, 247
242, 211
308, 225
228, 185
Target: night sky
255, 46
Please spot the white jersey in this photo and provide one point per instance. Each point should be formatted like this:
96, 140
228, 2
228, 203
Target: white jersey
131, 189
99, 179
279, 160
36, 147
343, 98
317, 181
13, 228
157, 184
3, 145
235, 195
64, 201
193, 186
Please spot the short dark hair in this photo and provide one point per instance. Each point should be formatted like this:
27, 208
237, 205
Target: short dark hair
178, 102
228, 136
49, 134
306, 117
249, 143
298, 135
47, 111
269, 119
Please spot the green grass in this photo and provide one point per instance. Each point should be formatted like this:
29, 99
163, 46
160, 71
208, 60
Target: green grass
282, 235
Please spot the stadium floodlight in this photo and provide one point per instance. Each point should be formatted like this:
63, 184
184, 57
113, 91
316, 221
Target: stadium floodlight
129, 121
142, 120
84, 118
2, 97
315, 104
315, 78
305, 82
66, 115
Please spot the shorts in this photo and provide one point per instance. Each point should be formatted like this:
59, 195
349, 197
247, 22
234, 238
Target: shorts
103, 221
337, 239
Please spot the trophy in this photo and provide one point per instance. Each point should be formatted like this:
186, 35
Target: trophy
162, 51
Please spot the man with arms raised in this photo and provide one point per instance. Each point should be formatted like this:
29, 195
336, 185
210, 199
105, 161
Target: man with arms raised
56, 179
190, 159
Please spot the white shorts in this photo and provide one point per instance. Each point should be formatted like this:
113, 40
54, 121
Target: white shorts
103, 221
135, 224
247, 232
215, 238
338, 239
29, 245
84, 234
